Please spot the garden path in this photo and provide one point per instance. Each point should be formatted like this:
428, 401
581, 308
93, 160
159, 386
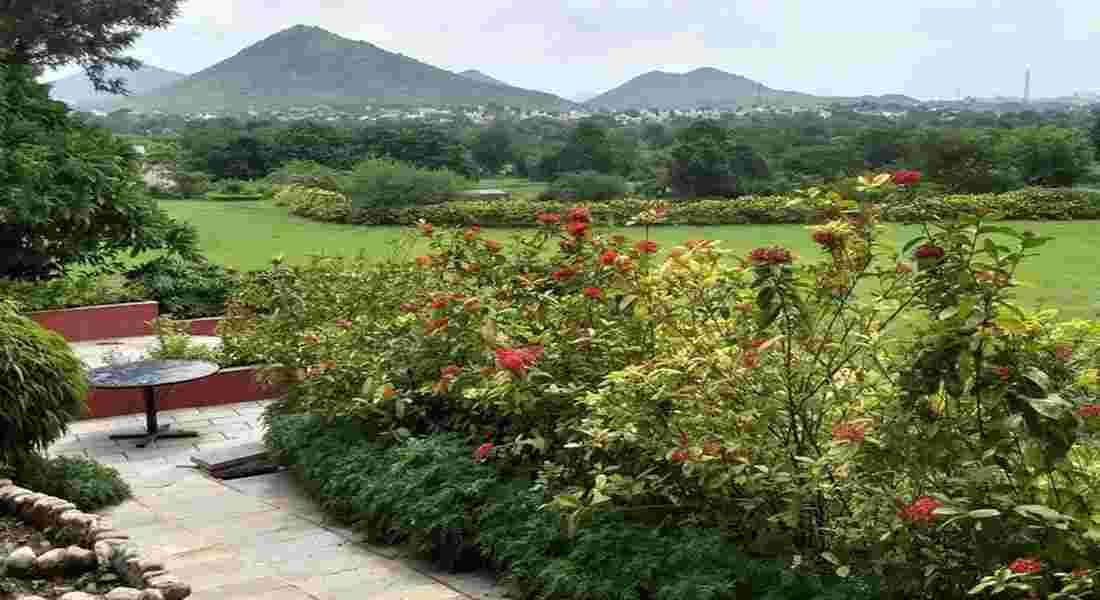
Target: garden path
247, 539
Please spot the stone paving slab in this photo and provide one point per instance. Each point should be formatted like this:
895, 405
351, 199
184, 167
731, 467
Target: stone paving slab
249, 539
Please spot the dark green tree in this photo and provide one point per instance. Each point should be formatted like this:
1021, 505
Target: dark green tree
493, 148
1094, 131
44, 34
69, 193
707, 161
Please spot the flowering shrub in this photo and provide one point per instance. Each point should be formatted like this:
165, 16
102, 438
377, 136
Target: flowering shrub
848, 413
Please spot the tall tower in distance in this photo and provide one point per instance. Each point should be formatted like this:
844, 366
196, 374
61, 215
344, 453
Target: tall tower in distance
1027, 85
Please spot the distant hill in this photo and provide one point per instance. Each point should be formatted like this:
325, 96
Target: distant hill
479, 76
77, 90
705, 87
305, 66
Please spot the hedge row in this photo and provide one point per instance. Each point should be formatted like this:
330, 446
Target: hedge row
431, 494
1027, 204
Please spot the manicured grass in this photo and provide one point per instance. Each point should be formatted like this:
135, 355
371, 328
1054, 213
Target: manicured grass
246, 235
516, 185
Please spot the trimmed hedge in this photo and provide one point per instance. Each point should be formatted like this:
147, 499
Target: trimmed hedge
1039, 204
432, 495
228, 197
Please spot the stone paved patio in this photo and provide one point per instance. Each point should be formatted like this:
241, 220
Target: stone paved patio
247, 539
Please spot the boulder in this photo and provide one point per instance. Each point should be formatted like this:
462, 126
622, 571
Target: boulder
50, 562
79, 596
21, 560
79, 560
171, 587
124, 593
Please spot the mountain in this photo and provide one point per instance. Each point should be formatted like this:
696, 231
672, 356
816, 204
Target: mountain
308, 66
77, 90
479, 76
705, 87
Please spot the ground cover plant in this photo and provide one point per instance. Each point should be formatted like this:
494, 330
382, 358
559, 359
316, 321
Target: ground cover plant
883, 412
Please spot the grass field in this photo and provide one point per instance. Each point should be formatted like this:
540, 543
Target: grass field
246, 235
516, 185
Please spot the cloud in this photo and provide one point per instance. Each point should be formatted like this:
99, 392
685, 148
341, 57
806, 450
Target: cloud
925, 48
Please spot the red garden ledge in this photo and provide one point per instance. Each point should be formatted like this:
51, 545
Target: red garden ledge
101, 322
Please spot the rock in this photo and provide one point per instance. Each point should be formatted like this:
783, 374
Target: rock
79, 559
29, 598
5, 483
103, 552
151, 575
150, 565
171, 587
110, 534
25, 502
44, 512
50, 562
21, 560
152, 595
78, 596
124, 593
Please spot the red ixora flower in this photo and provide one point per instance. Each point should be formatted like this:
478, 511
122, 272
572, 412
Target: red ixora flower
921, 510
427, 229
770, 256
907, 177
492, 246
1063, 352
646, 246
1025, 565
577, 228
1003, 372
518, 360
928, 251
441, 301
853, 433
593, 292
549, 218
680, 456
580, 215
1089, 410
1080, 572
450, 371
483, 451
608, 258
750, 360
310, 339
826, 239
344, 324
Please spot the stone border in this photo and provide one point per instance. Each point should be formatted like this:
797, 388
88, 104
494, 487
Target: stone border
148, 580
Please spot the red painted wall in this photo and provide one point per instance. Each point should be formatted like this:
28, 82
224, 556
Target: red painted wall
208, 326
226, 387
100, 322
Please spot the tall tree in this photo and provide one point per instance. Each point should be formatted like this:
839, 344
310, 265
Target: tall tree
44, 34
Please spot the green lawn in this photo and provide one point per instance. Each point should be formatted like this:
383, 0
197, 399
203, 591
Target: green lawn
246, 235
516, 185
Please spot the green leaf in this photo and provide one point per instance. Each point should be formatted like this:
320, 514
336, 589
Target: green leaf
984, 513
1039, 378
1051, 407
1041, 512
912, 243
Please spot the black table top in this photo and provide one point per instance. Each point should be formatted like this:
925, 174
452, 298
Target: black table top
150, 373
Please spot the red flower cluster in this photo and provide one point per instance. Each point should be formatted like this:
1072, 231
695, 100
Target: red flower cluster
577, 228
713, 448
1003, 372
921, 511
492, 246
1025, 565
409, 307
826, 239
483, 451
1089, 410
646, 246
853, 433
907, 177
344, 324
928, 251
750, 360
567, 245
608, 258
593, 292
436, 325
1063, 352
770, 256
518, 360
424, 261
680, 456
549, 218
580, 215
310, 339
441, 301
427, 229
562, 275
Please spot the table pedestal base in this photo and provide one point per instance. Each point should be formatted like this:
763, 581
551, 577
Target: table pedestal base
153, 431
163, 431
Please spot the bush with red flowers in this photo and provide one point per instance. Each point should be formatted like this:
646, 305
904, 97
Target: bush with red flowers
789, 403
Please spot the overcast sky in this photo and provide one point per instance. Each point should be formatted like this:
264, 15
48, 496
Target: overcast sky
924, 48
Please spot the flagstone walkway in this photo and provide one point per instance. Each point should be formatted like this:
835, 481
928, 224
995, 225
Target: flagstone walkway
247, 539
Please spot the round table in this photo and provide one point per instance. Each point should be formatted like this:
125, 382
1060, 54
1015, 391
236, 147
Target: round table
149, 375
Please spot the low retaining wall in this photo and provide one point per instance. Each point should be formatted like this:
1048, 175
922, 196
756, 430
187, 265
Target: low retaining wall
207, 326
228, 386
100, 322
